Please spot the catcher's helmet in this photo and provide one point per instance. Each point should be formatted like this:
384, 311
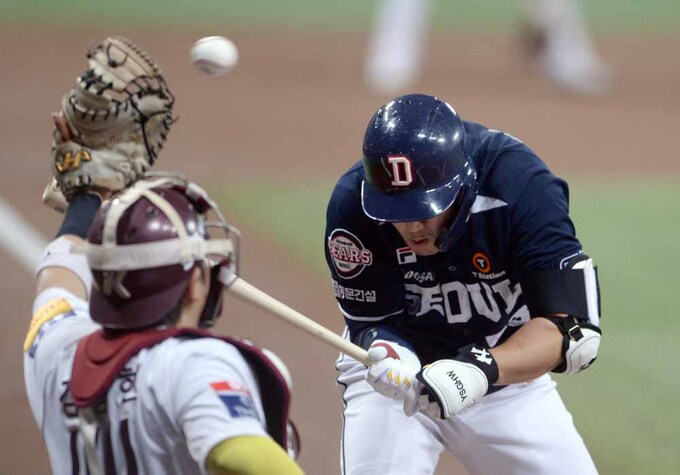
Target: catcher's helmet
143, 245
416, 165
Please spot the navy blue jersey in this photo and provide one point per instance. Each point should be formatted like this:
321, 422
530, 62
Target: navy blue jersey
519, 223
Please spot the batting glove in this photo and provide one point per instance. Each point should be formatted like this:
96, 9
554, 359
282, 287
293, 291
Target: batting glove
446, 387
394, 370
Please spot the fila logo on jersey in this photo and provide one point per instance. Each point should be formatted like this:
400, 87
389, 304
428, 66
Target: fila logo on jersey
348, 254
406, 256
237, 398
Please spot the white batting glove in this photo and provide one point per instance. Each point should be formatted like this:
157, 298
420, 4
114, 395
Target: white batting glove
446, 387
394, 371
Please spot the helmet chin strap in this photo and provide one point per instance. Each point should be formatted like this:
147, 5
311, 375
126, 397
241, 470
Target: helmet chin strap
452, 230
445, 232
438, 240
450, 235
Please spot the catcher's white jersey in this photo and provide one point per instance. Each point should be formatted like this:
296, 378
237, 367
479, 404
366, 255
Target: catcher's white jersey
167, 408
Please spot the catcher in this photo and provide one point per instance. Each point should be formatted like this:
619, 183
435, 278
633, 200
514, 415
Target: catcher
132, 382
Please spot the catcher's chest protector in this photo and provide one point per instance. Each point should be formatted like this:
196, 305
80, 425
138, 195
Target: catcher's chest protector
99, 359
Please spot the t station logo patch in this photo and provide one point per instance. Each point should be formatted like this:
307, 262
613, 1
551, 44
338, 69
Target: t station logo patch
481, 262
349, 255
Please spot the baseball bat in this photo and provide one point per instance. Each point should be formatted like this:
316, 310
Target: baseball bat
252, 295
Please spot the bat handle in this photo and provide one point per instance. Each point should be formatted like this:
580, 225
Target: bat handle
254, 296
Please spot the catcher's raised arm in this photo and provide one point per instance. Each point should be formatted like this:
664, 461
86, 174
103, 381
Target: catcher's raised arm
113, 123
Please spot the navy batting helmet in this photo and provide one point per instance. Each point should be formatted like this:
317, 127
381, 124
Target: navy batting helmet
416, 165
143, 246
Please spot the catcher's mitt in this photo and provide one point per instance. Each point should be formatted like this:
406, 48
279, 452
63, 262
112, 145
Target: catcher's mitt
118, 115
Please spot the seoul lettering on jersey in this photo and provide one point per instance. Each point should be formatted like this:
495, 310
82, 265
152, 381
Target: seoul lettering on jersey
457, 300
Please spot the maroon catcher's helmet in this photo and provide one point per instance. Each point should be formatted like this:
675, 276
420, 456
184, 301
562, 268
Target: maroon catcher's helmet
143, 245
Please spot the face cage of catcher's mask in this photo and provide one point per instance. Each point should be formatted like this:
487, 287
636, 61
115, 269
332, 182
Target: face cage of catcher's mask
183, 250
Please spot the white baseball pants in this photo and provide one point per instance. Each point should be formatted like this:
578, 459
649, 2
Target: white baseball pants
522, 429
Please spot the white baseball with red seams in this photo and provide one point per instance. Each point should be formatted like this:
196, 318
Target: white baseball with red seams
214, 55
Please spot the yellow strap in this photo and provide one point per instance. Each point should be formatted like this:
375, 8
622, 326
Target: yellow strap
44, 314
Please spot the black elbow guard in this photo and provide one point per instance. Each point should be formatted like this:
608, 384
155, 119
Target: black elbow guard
573, 290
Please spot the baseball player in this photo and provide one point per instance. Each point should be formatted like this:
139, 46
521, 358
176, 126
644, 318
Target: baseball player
456, 265
121, 375
554, 35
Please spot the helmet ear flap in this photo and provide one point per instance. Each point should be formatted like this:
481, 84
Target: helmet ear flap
463, 204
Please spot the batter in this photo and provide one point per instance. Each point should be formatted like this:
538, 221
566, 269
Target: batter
455, 263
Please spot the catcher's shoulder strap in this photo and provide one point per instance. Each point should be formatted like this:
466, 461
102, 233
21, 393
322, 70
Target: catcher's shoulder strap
102, 355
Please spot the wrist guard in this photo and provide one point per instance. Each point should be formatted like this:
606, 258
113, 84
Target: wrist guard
481, 357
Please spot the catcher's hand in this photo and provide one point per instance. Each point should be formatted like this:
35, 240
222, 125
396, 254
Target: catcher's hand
113, 122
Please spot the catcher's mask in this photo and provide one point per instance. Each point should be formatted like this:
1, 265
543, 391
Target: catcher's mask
416, 165
143, 246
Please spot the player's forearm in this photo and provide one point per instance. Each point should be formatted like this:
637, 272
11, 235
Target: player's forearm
532, 351
61, 267
250, 455
62, 277
368, 334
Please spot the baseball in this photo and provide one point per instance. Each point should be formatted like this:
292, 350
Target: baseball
214, 55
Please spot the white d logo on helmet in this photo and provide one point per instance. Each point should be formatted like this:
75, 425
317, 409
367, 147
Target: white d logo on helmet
402, 170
